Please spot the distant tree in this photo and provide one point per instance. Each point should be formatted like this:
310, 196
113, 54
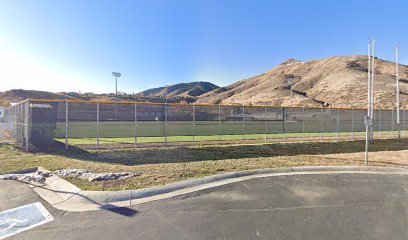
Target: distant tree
218, 101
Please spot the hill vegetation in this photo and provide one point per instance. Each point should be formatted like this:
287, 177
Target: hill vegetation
181, 90
335, 81
18, 95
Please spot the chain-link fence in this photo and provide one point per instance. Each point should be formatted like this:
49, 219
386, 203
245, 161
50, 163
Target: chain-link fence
47, 124
15, 124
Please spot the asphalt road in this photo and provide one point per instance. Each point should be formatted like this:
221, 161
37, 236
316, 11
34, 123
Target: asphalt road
329, 206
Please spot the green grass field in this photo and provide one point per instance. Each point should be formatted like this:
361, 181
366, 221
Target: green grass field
114, 132
131, 140
199, 128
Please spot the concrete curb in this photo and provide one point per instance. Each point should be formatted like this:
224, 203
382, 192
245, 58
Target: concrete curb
65, 196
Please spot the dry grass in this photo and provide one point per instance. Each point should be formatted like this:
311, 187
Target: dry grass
338, 81
168, 165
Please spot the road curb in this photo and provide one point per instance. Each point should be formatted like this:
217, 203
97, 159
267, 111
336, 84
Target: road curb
65, 196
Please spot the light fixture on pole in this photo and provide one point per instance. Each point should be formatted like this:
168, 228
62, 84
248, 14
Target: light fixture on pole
116, 75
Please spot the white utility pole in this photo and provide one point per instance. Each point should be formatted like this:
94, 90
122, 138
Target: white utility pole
398, 91
368, 120
372, 89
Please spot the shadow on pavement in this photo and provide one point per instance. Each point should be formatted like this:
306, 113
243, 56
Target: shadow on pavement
128, 212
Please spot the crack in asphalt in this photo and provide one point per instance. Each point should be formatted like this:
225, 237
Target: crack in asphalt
174, 226
403, 200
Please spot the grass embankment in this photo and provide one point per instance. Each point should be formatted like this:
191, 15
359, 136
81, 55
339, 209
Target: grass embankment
171, 164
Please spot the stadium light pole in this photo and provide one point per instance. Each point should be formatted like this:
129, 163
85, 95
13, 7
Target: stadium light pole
116, 75
290, 78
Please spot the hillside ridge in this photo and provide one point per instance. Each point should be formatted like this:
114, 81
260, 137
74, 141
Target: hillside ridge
339, 81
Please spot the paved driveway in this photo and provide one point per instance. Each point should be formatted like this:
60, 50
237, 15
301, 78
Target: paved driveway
327, 206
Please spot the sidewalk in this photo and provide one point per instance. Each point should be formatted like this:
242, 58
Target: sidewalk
65, 196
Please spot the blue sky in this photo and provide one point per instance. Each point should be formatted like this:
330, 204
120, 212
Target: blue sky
74, 45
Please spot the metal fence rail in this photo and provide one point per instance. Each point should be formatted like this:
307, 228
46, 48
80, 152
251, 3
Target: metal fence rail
46, 123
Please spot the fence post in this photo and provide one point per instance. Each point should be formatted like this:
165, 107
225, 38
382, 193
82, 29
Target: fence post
15, 123
397, 125
66, 124
219, 123
352, 123
165, 122
284, 123
392, 122
136, 124
265, 137
403, 121
321, 123
337, 124
303, 122
18, 132
18, 128
243, 122
22, 142
193, 122
27, 122
21, 126
379, 123
97, 124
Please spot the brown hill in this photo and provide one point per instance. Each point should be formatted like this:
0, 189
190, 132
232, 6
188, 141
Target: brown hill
18, 95
335, 81
180, 90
